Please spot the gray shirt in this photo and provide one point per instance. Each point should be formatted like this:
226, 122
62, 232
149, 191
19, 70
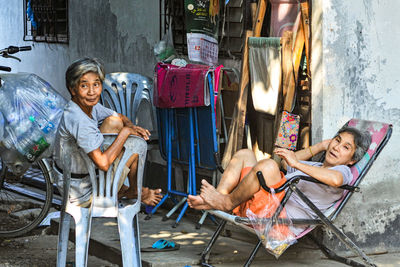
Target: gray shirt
79, 131
76, 125
321, 195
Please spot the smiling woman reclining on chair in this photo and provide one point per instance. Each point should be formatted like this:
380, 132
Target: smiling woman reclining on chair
239, 188
82, 116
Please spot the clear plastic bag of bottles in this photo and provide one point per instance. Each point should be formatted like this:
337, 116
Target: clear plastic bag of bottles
31, 111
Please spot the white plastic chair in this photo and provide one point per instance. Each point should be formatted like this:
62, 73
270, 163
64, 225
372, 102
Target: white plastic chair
104, 204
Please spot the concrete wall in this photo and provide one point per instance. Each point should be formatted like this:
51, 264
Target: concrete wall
121, 33
355, 61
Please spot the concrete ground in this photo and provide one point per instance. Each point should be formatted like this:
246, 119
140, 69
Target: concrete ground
39, 248
228, 251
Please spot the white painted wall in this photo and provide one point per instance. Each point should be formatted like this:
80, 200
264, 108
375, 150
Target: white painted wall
355, 61
48, 61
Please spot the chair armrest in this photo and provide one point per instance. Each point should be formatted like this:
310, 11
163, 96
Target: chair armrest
218, 162
261, 180
313, 180
296, 179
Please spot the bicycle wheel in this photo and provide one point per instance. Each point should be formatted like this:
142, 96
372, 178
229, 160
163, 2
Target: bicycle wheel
24, 200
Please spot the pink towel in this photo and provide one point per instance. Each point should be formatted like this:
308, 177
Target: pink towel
179, 87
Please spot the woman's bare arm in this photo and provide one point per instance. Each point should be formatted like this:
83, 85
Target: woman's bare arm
307, 153
325, 175
104, 159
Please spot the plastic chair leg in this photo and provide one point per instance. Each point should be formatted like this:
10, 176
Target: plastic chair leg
128, 227
63, 233
82, 235
137, 256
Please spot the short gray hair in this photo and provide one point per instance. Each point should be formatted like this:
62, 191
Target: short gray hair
362, 140
79, 68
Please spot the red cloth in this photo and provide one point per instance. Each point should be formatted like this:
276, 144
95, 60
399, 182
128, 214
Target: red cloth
180, 87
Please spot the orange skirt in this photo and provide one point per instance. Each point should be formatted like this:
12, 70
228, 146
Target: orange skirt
261, 199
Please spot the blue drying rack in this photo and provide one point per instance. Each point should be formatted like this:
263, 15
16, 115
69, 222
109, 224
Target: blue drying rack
187, 136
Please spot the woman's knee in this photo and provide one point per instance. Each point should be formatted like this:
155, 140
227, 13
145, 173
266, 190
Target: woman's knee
112, 124
246, 155
270, 170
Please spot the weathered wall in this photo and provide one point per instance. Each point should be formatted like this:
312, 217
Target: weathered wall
48, 61
122, 33
355, 61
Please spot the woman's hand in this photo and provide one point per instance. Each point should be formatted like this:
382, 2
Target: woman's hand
325, 144
139, 131
134, 129
287, 155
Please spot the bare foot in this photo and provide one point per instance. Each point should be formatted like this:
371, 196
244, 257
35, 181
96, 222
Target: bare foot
151, 196
129, 194
198, 203
124, 192
215, 199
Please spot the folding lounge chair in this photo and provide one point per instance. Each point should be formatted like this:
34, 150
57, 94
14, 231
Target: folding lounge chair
380, 133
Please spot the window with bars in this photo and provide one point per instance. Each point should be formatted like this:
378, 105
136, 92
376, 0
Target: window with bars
46, 21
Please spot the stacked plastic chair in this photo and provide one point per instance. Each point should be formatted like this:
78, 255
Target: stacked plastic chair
131, 94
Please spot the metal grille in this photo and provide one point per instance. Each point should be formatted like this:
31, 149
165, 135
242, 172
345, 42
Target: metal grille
232, 26
172, 16
46, 21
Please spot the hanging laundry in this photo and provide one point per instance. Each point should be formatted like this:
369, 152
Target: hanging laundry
265, 73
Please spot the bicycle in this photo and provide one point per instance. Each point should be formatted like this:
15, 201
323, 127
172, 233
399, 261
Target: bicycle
25, 197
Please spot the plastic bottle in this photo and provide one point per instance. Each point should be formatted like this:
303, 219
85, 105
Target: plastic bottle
32, 145
32, 110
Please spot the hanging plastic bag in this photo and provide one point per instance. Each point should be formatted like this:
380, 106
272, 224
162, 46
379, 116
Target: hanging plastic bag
32, 110
276, 237
164, 50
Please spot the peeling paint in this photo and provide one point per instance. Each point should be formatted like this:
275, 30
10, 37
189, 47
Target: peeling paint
121, 33
332, 27
134, 18
359, 67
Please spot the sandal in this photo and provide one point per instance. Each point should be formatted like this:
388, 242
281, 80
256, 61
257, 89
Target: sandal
161, 245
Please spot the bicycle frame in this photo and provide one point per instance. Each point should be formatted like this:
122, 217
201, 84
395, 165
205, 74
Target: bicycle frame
19, 177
